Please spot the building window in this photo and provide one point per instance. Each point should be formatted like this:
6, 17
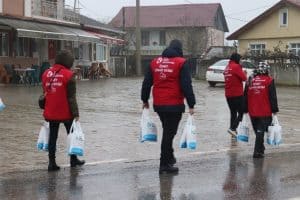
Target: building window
283, 17
69, 46
295, 49
162, 38
100, 52
4, 44
256, 49
23, 47
145, 38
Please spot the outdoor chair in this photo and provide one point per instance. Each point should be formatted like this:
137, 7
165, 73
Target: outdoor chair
9, 73
77, 70
3, 74
94, 71
104, 71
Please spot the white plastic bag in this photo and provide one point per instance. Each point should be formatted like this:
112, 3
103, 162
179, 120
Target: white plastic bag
188, 138
243, 129
182, 142
76, 139
274, 132
270, 135
43, 139
2, 106
148, 127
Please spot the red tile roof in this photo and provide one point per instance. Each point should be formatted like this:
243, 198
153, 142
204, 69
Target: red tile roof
262, 16
185, 15
295, 2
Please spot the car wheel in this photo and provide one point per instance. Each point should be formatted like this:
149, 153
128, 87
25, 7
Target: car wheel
212, 84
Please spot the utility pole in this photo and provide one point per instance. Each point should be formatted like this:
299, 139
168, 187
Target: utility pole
138, 39
75, 2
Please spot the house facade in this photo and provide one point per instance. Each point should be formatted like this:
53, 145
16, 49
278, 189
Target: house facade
198, 26
34, 30
277, 27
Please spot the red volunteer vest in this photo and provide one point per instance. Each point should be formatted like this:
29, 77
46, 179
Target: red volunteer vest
166, 81
258, 97
57, 107
234, 77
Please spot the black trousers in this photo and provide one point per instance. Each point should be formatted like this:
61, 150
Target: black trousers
170, 122
236, 106
260, 126
54, 126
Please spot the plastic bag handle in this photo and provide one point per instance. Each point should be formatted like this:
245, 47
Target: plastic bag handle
275, 120
190, 121
145, 115
72, 127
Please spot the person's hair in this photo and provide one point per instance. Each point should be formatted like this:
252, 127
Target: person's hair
235, 57
177, 46
64, 58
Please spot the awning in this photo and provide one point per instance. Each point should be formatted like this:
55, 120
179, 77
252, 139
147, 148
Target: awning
108, 39
32, 29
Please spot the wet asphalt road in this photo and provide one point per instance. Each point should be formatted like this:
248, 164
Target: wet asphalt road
119, 167
231, 175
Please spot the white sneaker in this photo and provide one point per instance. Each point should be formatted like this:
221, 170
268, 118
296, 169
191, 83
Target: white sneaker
232, 132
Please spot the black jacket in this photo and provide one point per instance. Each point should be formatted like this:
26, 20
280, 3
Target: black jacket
185, 83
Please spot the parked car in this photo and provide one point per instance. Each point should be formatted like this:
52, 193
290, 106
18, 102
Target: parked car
214, 73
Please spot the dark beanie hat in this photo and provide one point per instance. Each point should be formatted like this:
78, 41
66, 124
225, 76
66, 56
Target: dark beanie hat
177, 46
235, 57
64, 58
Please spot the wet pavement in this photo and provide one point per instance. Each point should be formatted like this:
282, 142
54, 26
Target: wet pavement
110, 111
230, 176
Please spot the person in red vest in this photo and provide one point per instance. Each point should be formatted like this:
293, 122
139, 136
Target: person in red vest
59, 85
261, 103
234, 77
170, 77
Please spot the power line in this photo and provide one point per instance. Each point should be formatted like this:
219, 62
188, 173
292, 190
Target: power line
236, 19
254, 9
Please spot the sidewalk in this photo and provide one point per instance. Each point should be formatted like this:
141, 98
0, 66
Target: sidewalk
226, 175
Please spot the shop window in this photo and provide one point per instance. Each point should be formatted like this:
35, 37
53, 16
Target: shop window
68, 45
100, 52
145, 38
91, 52
4, 44
23, 47
256, 49
162, 38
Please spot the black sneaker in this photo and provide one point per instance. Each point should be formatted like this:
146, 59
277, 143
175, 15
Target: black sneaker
74, 161
258, 155
173, 161
168, 169
53, 167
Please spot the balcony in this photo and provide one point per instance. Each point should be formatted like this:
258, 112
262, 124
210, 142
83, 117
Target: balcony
54, 10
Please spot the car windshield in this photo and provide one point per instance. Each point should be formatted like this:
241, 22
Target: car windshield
221, 63
247, 64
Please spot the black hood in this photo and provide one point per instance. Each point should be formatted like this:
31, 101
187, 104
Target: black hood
173, 50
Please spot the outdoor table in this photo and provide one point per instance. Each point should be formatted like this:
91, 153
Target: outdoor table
23, 74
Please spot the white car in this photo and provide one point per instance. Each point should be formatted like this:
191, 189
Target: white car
214, 73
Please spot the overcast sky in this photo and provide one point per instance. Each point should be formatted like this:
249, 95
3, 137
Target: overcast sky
237, 12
